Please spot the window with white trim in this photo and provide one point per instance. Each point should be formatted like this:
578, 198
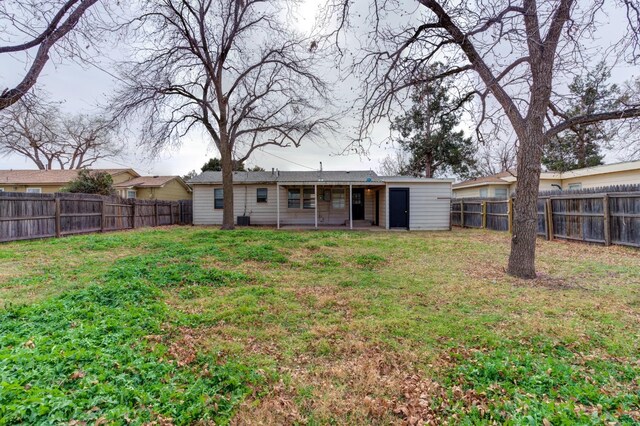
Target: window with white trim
502, 192
1, 189
261, 195
293, 198
309, 198
484, 192
218, 198
575, 186
131, 193
34, 190
338, 199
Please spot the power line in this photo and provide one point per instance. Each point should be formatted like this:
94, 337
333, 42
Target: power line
287, 160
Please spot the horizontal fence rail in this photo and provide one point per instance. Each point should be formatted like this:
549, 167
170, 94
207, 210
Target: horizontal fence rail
606, 216
31, 216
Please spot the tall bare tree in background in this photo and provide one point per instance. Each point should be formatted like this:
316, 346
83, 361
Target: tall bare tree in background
234, 69
37, 130
33, 28
513, 55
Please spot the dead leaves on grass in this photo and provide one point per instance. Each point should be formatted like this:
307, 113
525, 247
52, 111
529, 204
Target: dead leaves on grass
426, 402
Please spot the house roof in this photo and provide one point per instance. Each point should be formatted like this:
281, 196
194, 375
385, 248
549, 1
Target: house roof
603, 169
151, 182
497, 179
309, 178
506, 178
49, 177
289, 176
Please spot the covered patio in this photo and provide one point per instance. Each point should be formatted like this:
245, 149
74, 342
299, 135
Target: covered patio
328, 205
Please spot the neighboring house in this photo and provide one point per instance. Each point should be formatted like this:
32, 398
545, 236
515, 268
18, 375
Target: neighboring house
49, 181
326, 198
127, 182
171, 188
503, 184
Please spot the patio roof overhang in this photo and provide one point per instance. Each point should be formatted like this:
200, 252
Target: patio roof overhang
330, 183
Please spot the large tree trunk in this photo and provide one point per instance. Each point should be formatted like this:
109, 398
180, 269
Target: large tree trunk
525, 218
226, 161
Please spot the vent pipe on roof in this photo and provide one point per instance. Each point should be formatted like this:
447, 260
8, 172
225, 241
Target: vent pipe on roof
277, 173
273, 171
321, 166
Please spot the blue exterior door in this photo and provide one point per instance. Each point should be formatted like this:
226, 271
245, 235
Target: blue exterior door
399, 208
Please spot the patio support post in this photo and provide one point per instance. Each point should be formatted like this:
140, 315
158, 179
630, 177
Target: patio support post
315, 203
277, 206
350, 206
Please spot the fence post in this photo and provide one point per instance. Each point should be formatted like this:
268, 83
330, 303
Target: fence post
134, 213
510, 214
548, 218
461, 214
155, 211
484, 215
102, 216
58, 221
171, 209
607, 220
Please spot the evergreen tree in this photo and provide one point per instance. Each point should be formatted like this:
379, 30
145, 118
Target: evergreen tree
581, 145
215, 165
427, 132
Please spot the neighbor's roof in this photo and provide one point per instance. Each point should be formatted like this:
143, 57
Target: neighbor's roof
605, 168
497, 179
506, 178
151, 182
51, 177
503, 178
289, 176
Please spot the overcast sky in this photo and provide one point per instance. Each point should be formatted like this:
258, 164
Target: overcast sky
82, 87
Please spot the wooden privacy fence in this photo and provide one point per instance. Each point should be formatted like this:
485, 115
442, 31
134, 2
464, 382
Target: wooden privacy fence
593, 216
30, 216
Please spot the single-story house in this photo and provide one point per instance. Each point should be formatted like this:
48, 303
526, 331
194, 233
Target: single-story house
127, 182
169, 188
325, 198
503, 184
50, 181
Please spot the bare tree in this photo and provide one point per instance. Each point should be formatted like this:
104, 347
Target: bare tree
395, 164
512, 55
86, 140
35, 25
496, 157
37, 130
231, 68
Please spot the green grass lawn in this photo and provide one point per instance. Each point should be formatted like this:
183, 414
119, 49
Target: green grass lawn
195, 325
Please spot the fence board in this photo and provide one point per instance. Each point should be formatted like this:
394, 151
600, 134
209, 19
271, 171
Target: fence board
30, 216
606, 216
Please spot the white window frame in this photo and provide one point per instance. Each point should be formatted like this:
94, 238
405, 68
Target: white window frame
299, 199
308, 202
575, 186
1, 189
339, 202
128, 193
505, 194
34, 190
484, 192
221, 192
266, 196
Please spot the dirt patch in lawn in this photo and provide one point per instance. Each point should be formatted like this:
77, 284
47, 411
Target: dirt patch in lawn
363, 383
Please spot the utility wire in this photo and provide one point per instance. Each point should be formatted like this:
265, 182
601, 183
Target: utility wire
287, 160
